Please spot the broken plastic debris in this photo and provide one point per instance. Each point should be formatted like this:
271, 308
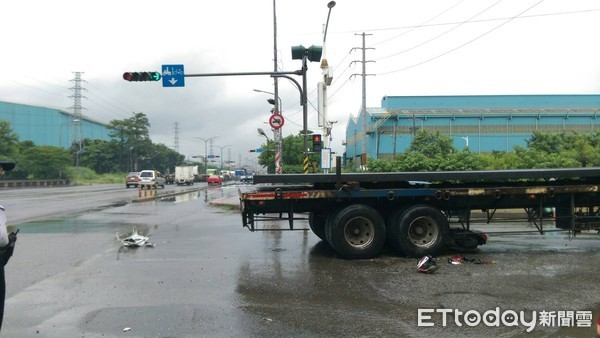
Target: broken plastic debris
459, 260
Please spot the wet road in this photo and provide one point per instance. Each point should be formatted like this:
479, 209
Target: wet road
206, 276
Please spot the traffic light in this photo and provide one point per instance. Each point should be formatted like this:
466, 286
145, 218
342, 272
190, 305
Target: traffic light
141, 76
316, 143
312, 53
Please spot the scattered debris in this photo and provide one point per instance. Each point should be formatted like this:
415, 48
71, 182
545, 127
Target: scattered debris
460, 260
427, 265
133, 240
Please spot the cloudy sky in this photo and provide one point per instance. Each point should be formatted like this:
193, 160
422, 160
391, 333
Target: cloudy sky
424, 47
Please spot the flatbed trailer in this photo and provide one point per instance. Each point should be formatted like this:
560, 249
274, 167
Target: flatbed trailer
357, 213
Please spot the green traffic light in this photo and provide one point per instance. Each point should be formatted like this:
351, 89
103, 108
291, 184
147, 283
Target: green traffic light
142, 76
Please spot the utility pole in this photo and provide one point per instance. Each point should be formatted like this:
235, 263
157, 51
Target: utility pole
277, 133
322, 86
363, 110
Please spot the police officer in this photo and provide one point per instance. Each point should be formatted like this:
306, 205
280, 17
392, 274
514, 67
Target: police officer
7, 243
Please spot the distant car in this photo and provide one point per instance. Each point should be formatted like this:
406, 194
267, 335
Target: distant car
214, 179
151, 178
247, 179
132, 179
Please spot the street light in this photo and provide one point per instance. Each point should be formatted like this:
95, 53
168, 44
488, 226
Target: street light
271, 101
262, 133
206, 150
276, 132
222, 147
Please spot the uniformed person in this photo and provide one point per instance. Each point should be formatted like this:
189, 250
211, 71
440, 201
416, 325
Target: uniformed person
7, 243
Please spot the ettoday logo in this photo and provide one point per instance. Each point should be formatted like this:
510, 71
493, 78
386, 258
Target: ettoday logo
498, 317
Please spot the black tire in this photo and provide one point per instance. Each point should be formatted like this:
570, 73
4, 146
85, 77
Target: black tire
418, 231
356, 231
316, 222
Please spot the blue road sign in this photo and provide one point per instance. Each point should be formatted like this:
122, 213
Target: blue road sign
173, 76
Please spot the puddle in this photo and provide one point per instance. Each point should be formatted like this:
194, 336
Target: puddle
71, 226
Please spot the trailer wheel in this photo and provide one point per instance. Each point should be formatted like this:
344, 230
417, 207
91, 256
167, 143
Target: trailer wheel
418, 231
356, 231
316, 222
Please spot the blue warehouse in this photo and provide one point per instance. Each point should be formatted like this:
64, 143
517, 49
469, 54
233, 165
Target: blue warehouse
50, 127
483, 123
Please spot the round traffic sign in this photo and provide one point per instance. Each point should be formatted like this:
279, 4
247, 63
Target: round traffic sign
276, 121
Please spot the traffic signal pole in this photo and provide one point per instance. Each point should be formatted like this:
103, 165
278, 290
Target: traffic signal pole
312, 53
301, 89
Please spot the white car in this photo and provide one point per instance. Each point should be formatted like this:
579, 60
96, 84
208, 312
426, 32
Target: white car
151, 178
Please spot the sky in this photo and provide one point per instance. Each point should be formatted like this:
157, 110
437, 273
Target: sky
425, 47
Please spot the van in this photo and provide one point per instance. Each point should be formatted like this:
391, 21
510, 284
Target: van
151, 178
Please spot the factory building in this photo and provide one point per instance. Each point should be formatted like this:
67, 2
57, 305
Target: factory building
483, 123
50, 127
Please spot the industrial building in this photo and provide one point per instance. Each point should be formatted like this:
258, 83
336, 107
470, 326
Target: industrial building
50, 127
483, 123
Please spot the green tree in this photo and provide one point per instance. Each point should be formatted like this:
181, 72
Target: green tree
292, 155
99, 155
44, 162
431, 144
132, 136
8, 140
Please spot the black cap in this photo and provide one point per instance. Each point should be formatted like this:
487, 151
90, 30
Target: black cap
7, 165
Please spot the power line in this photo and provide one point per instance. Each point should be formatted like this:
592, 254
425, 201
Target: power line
443, 33
480, 20
424, 24
463, 44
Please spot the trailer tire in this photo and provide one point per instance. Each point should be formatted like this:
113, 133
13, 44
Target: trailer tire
316, 222
356, 231
418, 231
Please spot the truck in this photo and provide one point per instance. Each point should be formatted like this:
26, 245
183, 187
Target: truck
185, 174
420, 213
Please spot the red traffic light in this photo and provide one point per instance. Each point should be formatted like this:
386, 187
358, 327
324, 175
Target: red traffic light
316, 142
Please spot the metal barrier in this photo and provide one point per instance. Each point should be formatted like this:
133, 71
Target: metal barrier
33, 183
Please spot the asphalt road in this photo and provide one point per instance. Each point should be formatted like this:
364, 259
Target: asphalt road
208, 277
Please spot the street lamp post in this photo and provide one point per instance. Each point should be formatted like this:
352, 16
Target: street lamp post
327, 78
262, 133
276, 132
221, 148
206, 150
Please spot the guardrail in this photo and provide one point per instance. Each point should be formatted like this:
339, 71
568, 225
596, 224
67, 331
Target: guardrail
33, 183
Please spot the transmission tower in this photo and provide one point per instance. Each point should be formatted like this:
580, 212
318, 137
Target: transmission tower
363, 110
77, 121
176, 137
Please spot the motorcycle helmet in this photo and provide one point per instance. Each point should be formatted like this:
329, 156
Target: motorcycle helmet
427, 264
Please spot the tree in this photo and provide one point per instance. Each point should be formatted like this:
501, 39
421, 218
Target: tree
100, 156
431, 144
133, 137
8, 140
292, 156
44, 162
